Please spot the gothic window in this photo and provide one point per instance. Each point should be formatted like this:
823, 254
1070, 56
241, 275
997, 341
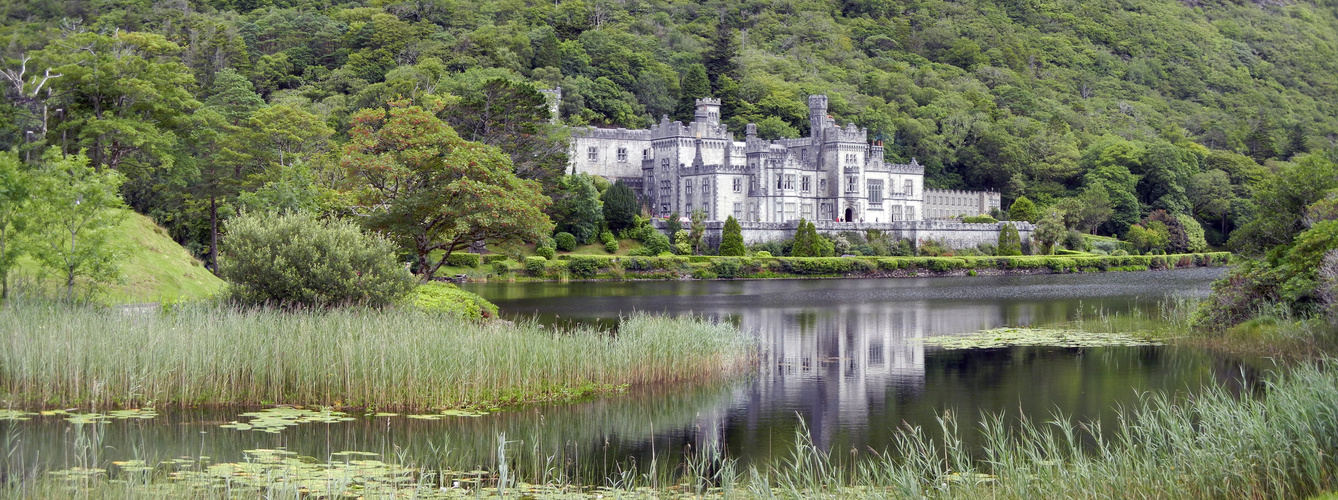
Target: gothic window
822, 186
738, 210
875, 191
852, 184
806, 184
910, 213
664, 163
806, 211
778, 181
738, 186
706, 186
803, 154
592, 153
752, 184
789, 211
645, 154
896, 212
622, 155
910, 188
789, 181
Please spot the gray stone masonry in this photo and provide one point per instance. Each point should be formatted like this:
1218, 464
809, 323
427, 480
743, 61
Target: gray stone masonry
951, 233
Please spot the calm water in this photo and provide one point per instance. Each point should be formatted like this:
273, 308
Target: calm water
838, 357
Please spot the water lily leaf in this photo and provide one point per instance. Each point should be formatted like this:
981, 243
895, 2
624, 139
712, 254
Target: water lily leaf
1008, 337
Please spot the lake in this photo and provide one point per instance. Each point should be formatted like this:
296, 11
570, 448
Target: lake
839, 357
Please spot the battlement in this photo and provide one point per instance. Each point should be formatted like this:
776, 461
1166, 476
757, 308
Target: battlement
708, 101
850, 133
610, 133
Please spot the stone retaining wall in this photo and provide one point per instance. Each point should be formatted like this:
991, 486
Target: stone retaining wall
951, 233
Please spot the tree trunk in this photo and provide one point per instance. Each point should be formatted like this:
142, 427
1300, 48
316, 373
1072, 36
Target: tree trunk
213, 233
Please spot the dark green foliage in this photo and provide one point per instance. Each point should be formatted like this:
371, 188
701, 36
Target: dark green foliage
1281, 202
565, 241
297, 260
731, 239
462, 259
1010, 242
695, 85
979, 219
655, 243
545, 251
583, 267
536, 266
1074, 241
620, 207
673, 224
577, 208
726, 268
1023, 209
808, 243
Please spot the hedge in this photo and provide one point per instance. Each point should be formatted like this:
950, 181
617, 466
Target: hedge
463, 259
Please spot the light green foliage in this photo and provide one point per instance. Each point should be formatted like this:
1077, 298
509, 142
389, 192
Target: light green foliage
1194, 240
731, 239
417, 181
1049, 231
979, 219
15, 196
73, 220
536, 266
297, 260
682, 242
1281, 201
545, 251
450, 299
1023, 209
610, 243
1010, 242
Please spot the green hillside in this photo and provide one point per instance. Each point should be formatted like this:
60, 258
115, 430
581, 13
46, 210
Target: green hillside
153, 267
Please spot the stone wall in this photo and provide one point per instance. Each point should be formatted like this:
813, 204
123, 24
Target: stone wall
951, 233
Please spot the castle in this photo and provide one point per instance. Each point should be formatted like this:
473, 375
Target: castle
834, 174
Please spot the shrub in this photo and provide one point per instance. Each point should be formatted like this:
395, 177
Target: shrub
655, 243
611, 247
463, 259
606, 237
583, 267
979, 219
762, 253
1010, 242
565, 241
545, 251
726, 268
536, 266
1074, 241
1023, 210
731, 239
703, 274
450, 299
299, 260
500, 268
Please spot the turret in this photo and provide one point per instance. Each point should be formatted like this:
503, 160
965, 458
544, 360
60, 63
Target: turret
817, 115
708, 111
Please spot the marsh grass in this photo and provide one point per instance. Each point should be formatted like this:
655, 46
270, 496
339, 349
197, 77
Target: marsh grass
1280, 443
63, 355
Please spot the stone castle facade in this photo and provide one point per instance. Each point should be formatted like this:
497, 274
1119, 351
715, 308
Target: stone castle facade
834, 174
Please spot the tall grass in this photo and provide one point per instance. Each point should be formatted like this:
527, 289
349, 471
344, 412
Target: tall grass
53, 354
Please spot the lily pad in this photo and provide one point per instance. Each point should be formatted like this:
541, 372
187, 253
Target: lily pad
7, 414
1008, 337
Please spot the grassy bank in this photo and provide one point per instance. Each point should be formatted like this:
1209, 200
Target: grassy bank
1278, 443
608, 267
58, 355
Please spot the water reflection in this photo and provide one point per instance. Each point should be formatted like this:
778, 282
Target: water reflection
840, 354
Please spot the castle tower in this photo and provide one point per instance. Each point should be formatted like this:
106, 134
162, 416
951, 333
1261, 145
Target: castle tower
817, 116
708, 111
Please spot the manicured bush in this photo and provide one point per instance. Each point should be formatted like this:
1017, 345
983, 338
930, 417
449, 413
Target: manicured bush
500, 268
583, 267
762, 253
493, 257
565, 241
979, 219
1010, 242
450, 299
611, 247
536, 266
547, 252
731, 239
300, 260
463, 259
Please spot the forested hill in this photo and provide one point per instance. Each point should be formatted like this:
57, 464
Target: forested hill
1038, 97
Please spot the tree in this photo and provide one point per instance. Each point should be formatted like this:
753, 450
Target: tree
1010, 242
1281, 201
1120, 186
15, 197
803, 241
620, 207
576, 207
731, 239
1023, 209
513, 116
719, 58
1164, 174
74, 219
1049, 230
297, 260
698, 229
1210, 196
417, 181
695, 85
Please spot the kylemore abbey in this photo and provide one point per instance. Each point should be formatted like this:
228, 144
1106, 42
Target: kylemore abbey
833, 175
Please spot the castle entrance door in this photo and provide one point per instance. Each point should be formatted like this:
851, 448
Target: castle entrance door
850, 214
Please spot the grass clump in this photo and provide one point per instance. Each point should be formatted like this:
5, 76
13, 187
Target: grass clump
61, 355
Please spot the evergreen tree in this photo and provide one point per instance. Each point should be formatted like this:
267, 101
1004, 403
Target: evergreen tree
806, 242
1010, 242
620, 207
731, 239
1023, 210
695, 86
720, 57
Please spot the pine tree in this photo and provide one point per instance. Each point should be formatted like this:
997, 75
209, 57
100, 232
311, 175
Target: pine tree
720, 57
731, 239
1023, 210
695, 86
620, 207
1010, 242
805, 240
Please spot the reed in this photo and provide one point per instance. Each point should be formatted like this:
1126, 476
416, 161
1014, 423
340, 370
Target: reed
62, 355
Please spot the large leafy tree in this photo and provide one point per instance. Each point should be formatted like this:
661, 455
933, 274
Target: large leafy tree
513, 116
620, 206
416, 181
74, 220
15, 199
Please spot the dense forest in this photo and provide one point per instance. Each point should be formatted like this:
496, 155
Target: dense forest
209, 107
